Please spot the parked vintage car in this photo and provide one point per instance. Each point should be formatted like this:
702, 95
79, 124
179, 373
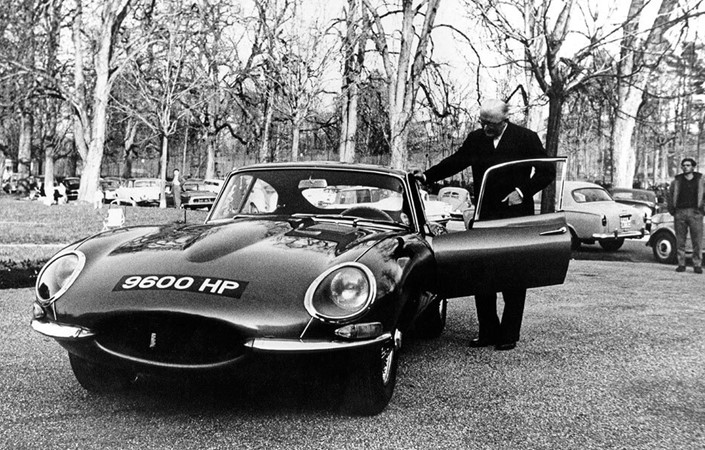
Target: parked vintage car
139, 191
338, 283
196, 194
213, 184
663, 239
459, 200
73, 184
436, 210
641, 199
593, 216
109, 187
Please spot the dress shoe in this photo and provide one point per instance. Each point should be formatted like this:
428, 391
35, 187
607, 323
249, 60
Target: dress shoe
505, 346
477, 342
680, 269
698, 269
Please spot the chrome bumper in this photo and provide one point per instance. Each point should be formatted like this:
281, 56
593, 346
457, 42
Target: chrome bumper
60, 330
619, 235
64, 331
310, 346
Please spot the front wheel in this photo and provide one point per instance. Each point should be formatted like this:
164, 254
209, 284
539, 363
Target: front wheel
373, 374
664, 248
612, 245
99, 378
432, 321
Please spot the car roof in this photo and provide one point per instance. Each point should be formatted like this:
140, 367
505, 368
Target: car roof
642, 191
323, 165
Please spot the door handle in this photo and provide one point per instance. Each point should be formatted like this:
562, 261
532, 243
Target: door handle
561, 230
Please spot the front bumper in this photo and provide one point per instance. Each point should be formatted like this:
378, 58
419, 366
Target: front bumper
73, 336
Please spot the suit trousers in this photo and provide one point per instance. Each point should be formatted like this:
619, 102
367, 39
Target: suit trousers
684, 219
491, 329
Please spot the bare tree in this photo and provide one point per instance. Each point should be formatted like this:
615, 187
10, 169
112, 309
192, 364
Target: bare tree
90, 116
640, 55
403, 64
353, 47
163, 82
303, 57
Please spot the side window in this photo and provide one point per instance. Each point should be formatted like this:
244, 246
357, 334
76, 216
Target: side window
540, 182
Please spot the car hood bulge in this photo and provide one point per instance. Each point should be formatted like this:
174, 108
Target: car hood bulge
247, 271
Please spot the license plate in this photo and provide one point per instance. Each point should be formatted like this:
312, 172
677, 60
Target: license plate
625, 222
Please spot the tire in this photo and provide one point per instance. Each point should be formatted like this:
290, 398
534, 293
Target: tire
432, 320
97, 378
664, 248
611, 245
371, 379
574, 242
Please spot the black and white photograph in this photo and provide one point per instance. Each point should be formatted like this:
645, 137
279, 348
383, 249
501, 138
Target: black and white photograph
352, 224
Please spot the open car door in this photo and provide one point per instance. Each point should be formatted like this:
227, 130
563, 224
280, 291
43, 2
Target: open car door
494, 254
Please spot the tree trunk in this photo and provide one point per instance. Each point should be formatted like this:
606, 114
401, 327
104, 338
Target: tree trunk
264, 155
295, 139
635, 68
24, 152
162, 170
210, 157
113, 13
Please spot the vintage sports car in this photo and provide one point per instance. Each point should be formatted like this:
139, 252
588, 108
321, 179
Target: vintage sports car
593, 216
288, 278
663, 239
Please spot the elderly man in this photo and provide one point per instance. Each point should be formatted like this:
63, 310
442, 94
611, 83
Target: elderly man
686, 202
511, 195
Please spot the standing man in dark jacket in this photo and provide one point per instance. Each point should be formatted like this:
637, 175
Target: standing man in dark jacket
511, 195
686, 202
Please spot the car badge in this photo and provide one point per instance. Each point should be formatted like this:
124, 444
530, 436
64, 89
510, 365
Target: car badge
153, 340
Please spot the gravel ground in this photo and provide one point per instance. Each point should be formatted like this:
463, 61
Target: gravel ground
613, 358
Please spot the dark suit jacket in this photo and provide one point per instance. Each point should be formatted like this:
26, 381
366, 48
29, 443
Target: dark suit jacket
478, 151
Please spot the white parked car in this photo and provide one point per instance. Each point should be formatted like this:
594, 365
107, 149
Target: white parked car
436, 210
139, 191
594, 217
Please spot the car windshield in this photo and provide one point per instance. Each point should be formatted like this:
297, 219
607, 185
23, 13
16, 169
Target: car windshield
312, 191
146, 183
588, 195
193, 187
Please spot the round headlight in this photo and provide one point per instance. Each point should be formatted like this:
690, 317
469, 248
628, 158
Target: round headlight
341, 293
57, 275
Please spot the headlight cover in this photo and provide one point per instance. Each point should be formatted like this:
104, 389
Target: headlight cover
57, 275
341, 293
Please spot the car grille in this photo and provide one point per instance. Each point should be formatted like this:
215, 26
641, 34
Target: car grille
171, 339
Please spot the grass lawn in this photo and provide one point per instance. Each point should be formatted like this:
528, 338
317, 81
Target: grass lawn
31, 232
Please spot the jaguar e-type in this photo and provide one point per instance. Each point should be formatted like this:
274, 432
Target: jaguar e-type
274, 271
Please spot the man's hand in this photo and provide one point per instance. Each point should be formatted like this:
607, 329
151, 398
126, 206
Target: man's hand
514, 198
418, 174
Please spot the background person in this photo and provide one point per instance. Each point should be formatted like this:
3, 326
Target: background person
686, 203
511, 195
176, 183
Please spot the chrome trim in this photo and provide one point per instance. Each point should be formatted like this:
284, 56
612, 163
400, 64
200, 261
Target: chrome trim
60, 330
312, 346
561, 230
308, 297
547, 159
148, 362
76, 272
622, 234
